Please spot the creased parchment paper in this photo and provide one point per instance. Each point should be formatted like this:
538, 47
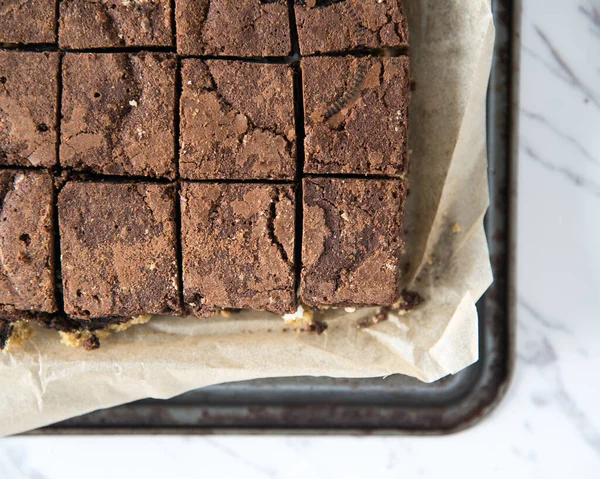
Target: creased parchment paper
451, 52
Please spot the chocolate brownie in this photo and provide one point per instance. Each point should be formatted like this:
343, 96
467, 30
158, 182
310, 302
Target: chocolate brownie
28, 21
119, 114
115, 23
243, 28
356, 115
340, 25
351, 241
28, 108
238, 247
118, 249
237, 121
27, 279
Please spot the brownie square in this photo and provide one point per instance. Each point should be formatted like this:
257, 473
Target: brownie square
238, 247
118, 114
115, 23
356, 115
28, 108
243, 28
30, 21
237, 121
340, 25
351, 242
27, 279
118, 249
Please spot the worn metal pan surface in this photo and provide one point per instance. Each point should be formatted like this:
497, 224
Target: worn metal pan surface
397, 404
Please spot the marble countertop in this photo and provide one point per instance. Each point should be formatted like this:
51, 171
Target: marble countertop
549, 423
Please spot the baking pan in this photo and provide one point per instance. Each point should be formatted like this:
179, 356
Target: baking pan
396, 404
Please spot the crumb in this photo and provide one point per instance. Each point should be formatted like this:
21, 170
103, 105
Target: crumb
225, 313
408, 301
381, 315
76, 339
317, 326
17, 334
119, 328
302, 317
456, 228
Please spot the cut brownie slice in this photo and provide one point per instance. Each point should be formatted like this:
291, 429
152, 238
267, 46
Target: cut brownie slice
243, 28
356, 115
351, 242
118, 249
28, 108
237, 121
238, 247
340, 25
31, 21
115, 23
27, 279
119, 114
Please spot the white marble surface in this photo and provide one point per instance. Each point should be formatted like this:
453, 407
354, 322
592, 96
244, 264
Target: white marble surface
549, 424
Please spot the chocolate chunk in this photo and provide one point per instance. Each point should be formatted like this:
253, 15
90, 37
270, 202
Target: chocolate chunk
238, 247
115, 23
243, 28
356, 115
30, 21
27, 280
351, 242
118, 249
119, 114
28, 108
340, 25
237, 121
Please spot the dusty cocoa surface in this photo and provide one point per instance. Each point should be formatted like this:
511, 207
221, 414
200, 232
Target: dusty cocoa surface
27, 281
114, 23
340, 25
118, 249
369, 135
237, 121
28, 104
119, 114
351, 242
244, 28
27, 21
238, 247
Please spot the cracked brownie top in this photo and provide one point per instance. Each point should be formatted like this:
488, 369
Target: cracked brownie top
28, 108
342, 25
118, 114
26, 242
115, 23
237, 121
118, 245
241, 28
351, 241
238, 247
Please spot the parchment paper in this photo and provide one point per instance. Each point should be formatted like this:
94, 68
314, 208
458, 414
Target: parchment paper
451, 51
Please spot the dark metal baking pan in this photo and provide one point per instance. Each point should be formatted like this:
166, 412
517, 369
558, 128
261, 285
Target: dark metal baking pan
396, 403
